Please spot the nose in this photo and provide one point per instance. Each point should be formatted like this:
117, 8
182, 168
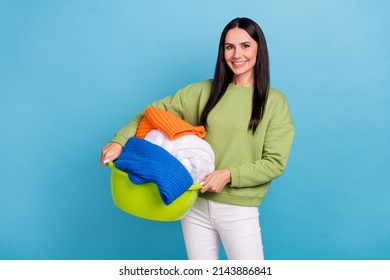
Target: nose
237, 53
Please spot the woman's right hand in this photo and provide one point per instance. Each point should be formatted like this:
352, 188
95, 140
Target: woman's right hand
110, 152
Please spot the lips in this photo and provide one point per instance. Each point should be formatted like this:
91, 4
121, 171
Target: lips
238, 64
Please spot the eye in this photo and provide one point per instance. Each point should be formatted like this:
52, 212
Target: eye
245, 46
228, 47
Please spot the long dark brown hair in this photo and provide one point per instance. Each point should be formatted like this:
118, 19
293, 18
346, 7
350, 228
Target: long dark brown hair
223, 75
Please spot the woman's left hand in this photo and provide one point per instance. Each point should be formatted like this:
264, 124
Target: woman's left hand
216, 181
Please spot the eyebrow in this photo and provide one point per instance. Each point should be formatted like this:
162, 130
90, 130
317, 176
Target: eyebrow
243, 43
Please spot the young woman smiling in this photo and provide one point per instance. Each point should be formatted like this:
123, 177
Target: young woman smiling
250, 130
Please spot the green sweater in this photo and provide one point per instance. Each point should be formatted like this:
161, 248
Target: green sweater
253, 160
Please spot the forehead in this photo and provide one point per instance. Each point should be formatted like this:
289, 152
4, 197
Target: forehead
238, 35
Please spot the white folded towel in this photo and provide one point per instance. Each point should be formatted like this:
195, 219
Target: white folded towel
192, 151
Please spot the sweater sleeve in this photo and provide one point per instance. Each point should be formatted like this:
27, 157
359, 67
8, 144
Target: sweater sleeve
276, 149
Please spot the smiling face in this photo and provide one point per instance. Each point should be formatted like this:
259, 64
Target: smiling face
240, 55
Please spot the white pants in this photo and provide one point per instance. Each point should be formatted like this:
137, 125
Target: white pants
210, 222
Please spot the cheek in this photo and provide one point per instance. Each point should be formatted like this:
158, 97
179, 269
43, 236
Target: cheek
227, 56
253, 54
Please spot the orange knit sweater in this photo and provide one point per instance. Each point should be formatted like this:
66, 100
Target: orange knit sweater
172, 126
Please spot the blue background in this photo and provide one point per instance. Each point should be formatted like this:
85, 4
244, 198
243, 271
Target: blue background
74, 72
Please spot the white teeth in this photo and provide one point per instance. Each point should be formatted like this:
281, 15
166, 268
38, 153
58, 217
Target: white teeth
238, 64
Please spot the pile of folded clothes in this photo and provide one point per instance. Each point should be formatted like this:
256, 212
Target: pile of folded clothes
167, 151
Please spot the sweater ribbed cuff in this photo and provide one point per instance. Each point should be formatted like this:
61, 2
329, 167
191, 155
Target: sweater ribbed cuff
235, 177
120, 139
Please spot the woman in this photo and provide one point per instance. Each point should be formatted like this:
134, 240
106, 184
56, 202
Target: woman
250, 130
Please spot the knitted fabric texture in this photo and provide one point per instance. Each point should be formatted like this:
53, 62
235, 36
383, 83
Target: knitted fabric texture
146, 162
194, 153
168, 123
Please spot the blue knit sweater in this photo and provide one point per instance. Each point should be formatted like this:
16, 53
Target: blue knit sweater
146, 162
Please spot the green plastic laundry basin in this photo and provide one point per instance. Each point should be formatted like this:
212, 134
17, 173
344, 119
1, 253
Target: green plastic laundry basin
144, 200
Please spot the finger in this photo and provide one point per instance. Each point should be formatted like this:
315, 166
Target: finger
109, 158
102, 156
106, 159
205, 184
206, 180
204, 189
103, 160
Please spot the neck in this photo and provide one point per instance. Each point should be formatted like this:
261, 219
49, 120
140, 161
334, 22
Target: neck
243, 81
